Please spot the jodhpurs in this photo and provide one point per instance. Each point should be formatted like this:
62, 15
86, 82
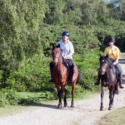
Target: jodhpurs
119, 69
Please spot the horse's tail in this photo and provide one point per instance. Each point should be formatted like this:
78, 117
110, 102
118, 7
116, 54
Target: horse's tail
79, 78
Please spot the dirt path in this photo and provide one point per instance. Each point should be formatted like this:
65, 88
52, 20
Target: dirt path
85, 112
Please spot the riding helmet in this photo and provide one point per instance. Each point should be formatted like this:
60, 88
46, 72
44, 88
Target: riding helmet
65, 33
112, 39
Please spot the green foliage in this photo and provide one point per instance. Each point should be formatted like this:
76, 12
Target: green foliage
25, 42
8, 97
29, 100
77, 12
19, 28
88, 65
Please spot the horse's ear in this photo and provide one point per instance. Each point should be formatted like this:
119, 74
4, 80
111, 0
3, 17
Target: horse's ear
100, 55
53, 45
58, 45
107, 55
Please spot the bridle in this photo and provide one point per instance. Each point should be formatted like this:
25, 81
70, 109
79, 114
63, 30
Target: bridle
103, 69
57, 62
57, 58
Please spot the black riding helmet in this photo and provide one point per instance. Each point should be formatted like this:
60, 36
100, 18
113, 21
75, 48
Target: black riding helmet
112, 39
65, 33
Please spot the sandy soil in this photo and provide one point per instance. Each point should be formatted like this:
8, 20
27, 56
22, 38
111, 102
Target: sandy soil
85, 112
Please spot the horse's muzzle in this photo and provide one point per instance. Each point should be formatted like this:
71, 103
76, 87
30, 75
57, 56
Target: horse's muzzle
101, 72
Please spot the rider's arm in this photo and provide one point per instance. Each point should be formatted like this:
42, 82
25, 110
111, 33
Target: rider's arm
71, 51
118, 53
68, 55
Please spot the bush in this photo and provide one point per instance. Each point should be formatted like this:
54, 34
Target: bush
89, 64
8, 97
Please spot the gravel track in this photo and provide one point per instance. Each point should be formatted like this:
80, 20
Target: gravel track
85, 112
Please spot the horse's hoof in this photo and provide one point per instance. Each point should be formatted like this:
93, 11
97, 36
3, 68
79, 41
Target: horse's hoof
109, 108
117, 92
59, 106
65, 105
72, 104
101, 109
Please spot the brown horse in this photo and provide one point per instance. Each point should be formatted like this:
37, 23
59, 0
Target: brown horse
60, 75
109, 78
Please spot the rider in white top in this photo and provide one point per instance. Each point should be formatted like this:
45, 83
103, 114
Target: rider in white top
67, 50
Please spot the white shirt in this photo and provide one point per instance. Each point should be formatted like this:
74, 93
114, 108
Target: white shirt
66, 49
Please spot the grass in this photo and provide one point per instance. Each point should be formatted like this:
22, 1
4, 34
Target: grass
114, 118
122, 54
87, 95
9, 110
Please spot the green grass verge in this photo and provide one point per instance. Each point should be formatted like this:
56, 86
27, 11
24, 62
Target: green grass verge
122, 54
9, 109
114, 118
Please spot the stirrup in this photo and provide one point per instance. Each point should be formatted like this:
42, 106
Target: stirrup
51, 80
97, 82
70, 82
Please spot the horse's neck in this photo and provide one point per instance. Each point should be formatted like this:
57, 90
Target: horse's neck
111, 75
59, 65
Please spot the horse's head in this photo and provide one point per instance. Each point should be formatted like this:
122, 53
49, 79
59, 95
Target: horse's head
56, 51
103, 65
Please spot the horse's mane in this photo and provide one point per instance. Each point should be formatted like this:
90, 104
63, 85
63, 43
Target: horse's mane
110, 63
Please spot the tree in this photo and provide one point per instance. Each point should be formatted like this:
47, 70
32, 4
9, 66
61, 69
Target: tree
19, 22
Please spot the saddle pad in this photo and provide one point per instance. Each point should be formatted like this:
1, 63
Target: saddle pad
67, 65
75, 69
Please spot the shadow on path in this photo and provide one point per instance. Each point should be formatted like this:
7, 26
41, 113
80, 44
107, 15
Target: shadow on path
42, 105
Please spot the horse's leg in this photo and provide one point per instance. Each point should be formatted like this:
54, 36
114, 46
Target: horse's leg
117, 91
110, 97
114, 92
73, 91
113, 95
60, 91
60, 98
102, 95
65, 97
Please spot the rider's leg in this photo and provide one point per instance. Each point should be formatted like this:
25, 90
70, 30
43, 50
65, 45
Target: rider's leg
71, 64
98, 80
120, 75
51, 68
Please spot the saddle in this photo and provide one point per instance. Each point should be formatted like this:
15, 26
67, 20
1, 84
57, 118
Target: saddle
66, 63
115, 70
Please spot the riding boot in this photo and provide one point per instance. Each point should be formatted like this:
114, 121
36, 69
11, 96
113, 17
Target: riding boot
98, 81
120, 83
71, 75
51, 68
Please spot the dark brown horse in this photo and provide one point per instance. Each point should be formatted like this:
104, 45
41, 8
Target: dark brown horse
109, 78
60, 74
